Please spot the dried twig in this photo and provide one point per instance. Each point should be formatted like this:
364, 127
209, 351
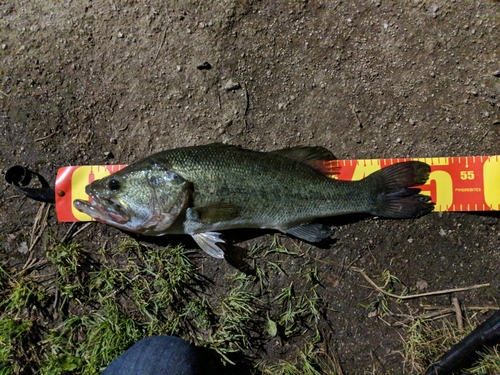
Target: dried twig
437, 313
458, 313
161, 44
36, 224
82, 228
411, 296
47, 136
69, 234
467, 308
33, 263
353, 109
247, 100
36, 232
15, 197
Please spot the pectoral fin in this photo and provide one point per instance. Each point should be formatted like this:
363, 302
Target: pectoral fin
215, 213
208, 243
311, 232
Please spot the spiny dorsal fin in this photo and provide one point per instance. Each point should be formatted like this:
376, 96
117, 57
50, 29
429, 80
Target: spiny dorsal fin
314, 156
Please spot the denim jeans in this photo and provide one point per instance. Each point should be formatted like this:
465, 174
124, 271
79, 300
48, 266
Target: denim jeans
164, 355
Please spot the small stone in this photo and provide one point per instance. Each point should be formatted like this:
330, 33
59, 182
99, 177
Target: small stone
422, 284
442, 232
4, 46
23, 248
205, 66
120, 34
231, 85
179, 68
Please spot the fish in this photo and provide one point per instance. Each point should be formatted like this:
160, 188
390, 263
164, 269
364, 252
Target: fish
203, 190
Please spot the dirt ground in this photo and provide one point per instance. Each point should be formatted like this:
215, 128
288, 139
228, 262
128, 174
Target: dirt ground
89, 82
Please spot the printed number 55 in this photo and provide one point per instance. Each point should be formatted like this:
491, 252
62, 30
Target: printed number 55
466, 175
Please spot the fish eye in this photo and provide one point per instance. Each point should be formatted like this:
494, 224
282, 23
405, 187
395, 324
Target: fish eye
114, 184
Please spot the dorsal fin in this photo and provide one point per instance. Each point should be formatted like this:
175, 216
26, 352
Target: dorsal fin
314, 156
306, 153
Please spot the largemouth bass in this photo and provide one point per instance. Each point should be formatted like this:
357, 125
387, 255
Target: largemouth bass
202, 190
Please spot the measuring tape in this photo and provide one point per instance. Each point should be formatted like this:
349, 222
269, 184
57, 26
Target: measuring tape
462, 183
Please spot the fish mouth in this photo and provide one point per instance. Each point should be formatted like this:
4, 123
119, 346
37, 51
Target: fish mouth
104, 210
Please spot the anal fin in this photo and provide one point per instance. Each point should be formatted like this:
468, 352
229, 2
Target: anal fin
208, 242
314, 232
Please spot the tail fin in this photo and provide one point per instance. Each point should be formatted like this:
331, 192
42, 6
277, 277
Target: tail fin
394, 197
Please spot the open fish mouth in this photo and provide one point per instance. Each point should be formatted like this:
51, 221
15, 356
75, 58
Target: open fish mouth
106, 211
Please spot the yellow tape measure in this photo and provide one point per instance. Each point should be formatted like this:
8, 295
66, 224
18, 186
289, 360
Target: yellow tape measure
462, 183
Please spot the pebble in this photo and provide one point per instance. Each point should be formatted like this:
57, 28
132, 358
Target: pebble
422, 284
205, 66
23, 248
231, 85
